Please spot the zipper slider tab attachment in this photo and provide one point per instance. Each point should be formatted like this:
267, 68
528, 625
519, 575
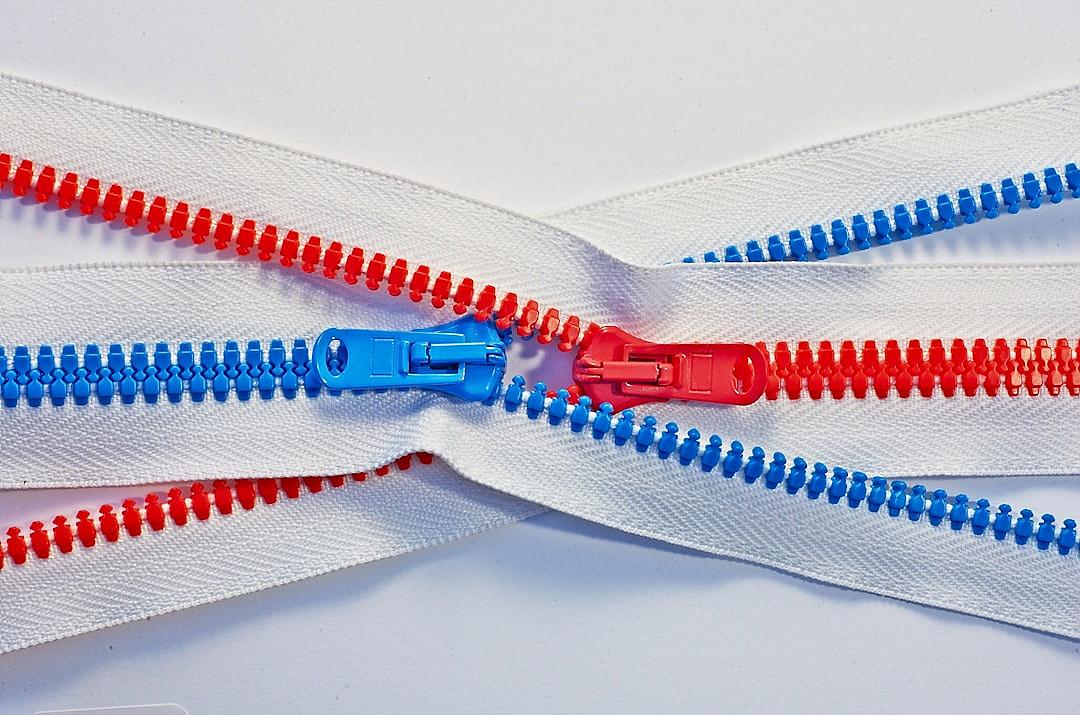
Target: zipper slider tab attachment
617, 367
434, 354
465, 358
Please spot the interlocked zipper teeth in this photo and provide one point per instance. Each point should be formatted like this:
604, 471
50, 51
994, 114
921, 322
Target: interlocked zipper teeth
998, 367
794, 478
123, 376
336, 261
920, 218
155, 512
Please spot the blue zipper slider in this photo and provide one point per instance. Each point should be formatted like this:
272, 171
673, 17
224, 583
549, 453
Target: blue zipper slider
465, 358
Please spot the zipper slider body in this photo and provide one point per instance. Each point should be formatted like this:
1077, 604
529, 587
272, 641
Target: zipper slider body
617, 367
465, 358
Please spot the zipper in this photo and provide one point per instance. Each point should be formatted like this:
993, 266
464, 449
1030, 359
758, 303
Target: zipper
139, 518
611, 365
917, 218
467, 359
831, 487
613, 372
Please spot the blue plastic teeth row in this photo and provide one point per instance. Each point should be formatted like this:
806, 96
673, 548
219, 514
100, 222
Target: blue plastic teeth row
124, 376
943, 214
837, 486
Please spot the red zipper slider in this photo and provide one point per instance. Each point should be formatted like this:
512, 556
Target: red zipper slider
617, 367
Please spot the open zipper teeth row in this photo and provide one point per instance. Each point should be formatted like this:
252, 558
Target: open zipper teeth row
135, 519
992, 368
795, 477
1012, 367
919, 218
336, 261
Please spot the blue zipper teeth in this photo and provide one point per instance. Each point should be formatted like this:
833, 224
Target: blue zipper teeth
816, 482
124, 376
922, 218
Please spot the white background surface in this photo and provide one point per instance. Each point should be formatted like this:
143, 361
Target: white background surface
538, 109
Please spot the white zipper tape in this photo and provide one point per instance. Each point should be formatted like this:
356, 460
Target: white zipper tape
836, 180
516, 456
335, 200
961, 436
206, 561
611, 485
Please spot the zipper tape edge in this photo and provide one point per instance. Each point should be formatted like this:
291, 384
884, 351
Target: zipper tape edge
245, 140
808, 150
862, 491
926, 219
491, 521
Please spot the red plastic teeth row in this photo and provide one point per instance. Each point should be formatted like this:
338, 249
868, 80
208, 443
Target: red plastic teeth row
334, 261
177, 510
1005, 368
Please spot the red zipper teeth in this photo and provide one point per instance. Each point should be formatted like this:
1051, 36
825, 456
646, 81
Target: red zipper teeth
336, 261
1011, 369
1007, 368
176, 510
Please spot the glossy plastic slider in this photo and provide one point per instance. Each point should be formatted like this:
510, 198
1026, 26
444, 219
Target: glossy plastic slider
465, 358
617, 367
